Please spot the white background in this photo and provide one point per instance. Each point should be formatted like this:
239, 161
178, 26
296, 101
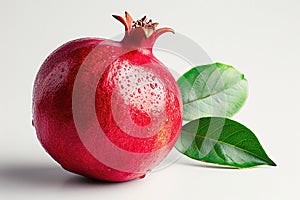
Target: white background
261, 38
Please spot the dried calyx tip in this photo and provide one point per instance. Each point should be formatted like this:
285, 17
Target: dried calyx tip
144, 23
149, 25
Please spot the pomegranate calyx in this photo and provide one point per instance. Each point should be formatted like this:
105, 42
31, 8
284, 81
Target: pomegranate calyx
142, 32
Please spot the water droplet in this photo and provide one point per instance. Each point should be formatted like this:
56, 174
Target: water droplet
152, 86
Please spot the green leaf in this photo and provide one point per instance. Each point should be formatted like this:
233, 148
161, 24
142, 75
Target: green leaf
222, 141
214, 90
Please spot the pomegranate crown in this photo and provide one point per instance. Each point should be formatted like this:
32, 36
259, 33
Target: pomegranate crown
142, 31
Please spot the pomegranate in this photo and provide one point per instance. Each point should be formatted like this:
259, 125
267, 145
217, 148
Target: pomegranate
108, 109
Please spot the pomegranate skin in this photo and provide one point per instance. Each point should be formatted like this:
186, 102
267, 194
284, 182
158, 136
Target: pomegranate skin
107, 110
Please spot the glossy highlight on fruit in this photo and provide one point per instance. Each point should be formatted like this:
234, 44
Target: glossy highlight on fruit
108, 109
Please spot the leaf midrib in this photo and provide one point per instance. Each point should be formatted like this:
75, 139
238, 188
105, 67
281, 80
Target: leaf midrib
202, 98
218, 141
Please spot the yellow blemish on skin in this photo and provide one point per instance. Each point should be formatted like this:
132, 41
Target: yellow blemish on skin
163, 136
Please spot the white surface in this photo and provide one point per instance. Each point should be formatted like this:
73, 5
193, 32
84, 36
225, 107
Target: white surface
261, 38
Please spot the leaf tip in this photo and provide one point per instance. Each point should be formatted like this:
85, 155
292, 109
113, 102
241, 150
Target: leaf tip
272, 164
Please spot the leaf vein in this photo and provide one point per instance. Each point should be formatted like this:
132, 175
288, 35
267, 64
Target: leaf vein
218, 141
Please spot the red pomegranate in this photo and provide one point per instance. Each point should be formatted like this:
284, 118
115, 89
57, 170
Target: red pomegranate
108, 109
